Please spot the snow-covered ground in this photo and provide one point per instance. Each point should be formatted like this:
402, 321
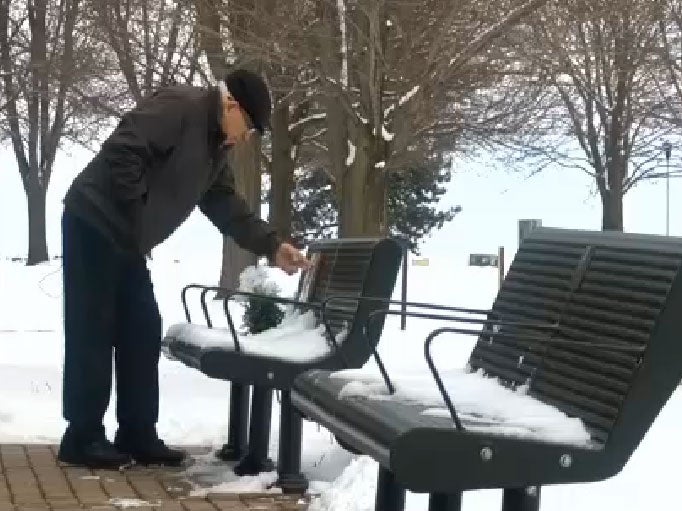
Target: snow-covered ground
194, 408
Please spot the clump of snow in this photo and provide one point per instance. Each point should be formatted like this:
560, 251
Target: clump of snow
255, 279
354, 489
387, 136
306, 120
380, 164
208, 475
351, 154
298, 338
409, 95
125, 503
261, 483
482, 404
341, 6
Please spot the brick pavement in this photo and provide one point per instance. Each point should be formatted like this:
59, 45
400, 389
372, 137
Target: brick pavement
32, 480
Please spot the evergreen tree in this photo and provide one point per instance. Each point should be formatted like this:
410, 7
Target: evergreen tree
412, 204
260, 314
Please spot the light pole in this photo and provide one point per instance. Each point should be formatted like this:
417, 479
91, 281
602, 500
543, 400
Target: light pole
667, 148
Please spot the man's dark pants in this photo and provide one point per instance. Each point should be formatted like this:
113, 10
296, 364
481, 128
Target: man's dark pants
109, 305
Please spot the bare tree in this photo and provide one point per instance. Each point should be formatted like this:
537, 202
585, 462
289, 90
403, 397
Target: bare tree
42, 57
153, 43
389, 74
380, 81
596, 64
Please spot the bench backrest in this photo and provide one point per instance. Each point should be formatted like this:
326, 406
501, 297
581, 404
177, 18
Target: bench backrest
600, 288
351, 268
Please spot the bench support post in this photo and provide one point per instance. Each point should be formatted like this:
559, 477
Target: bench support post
445, 502
237, 438
256, 459
521, 499
289, 476
390, 495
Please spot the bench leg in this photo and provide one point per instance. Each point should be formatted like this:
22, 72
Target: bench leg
445, 502
289, 474
237, 438
521, 499
390, 495
256, 459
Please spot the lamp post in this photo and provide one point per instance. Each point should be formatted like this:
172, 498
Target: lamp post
667, 149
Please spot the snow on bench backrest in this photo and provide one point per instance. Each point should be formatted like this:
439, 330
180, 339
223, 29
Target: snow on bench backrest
601, 288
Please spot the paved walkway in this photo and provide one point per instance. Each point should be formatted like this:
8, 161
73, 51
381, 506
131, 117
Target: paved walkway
32, 480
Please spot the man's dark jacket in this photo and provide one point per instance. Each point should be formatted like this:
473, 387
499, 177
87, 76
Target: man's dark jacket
164, 158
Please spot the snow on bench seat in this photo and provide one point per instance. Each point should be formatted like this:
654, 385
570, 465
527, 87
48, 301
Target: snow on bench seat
482, 404
298, 338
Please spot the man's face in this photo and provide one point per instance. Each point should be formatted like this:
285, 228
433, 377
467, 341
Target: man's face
235, 122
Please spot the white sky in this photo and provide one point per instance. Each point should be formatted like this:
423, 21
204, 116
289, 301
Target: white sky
492, 202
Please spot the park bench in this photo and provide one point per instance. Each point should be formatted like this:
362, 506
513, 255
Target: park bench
345, 274
587, 324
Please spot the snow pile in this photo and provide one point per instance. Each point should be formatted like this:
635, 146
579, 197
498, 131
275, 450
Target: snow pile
482, 404
210, 475
255, 279
353, 490
297, 338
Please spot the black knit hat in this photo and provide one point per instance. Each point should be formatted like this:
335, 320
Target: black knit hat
250, 91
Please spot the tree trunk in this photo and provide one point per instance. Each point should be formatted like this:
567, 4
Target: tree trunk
612, 197
245, 162
37, 243
612, 211
362, 194
281, 172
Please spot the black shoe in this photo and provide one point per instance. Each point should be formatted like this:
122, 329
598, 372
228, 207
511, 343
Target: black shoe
90, 450
149, 451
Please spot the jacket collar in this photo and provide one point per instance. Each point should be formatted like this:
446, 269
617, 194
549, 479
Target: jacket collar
215, 116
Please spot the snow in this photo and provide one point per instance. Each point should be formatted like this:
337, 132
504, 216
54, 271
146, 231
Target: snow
216, 477
385, 134
297, 338
30, 395
351, 154
380, 164
341, 6
354, 489
125, 503
409, 95
256, 279
482, 404
305, 120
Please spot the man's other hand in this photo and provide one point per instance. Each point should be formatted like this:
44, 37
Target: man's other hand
289, 259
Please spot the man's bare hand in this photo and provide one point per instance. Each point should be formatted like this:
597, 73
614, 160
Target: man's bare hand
289, 259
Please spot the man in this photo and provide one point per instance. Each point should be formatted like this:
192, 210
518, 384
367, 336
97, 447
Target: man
165, 157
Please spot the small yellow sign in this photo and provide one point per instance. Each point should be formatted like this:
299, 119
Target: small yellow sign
424, 261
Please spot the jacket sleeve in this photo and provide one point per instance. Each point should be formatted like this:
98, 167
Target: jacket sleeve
229, 212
